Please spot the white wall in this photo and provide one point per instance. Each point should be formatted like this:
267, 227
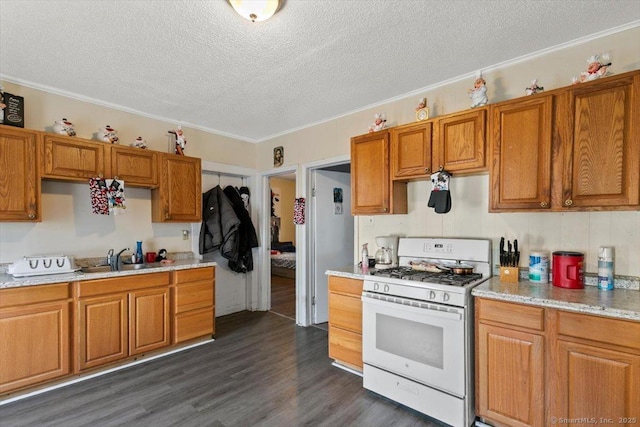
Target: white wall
469, 217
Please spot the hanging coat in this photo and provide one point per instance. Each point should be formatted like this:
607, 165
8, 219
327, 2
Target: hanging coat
247, 238
220, 225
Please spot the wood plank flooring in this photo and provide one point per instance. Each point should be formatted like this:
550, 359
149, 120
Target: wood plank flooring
262, 370
283, 296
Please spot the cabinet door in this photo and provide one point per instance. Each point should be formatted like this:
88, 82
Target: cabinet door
102, 330
345, 347
602, 153
411, 151
35, 344
461, 142
510, 376
137, 167
149, 320
372, 191
520, 170
72, 159
596, 383
179, 196
19, 180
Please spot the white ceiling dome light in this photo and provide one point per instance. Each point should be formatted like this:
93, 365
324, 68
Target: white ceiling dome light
256, 10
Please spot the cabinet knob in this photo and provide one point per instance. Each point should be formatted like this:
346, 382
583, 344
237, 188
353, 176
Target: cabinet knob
384, 209
568, 202
32, 216
167, 216
543, 204
427, 170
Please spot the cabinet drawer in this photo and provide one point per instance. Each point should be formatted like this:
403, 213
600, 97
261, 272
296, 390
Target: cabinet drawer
193, 274
345, 346
345, 312
600, 329
122, 284
192, 296
193, 324
511, 314
33, 294
345, 285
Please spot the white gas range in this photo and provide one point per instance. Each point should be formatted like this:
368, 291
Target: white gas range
418, 326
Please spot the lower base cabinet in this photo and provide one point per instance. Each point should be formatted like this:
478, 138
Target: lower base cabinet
121, 317
193, 307
345, 321
34, 335
537, 366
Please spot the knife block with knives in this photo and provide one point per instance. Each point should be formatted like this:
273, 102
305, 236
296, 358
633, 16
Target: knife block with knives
509, 262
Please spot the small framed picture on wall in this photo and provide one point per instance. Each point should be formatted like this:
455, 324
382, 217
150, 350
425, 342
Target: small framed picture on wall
278, 156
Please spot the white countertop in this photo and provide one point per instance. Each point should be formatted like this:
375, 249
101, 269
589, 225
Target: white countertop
8, 281
616, 303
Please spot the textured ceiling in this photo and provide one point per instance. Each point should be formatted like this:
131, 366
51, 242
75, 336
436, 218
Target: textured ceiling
200, 64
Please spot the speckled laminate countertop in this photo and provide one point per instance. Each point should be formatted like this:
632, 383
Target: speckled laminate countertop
617, 303
8, 281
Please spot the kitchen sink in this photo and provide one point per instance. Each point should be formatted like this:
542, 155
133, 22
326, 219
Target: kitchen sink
106, 268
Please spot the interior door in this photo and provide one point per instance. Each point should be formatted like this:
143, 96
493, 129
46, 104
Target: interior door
333, 231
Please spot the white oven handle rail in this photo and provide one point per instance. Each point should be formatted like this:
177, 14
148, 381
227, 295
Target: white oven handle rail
413, 306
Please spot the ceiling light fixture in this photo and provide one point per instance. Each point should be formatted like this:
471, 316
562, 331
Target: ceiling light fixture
255, 10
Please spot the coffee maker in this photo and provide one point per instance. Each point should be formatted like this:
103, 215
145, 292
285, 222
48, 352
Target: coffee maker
387, 253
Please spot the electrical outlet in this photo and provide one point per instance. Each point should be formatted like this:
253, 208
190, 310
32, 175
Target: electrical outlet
371, 221
185, 234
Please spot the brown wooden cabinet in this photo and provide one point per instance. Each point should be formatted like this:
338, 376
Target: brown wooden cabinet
137, 167
372, 190
19, 179
193, 306
461, 142
35, 335
599, 128
73, 159
535, 366
510, 363
574, 148
521, 154
411, 151
121, 317
345, 321
179, 195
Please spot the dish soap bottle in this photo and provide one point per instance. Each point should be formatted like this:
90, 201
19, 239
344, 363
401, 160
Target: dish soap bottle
139, 258
605, 268
364, 258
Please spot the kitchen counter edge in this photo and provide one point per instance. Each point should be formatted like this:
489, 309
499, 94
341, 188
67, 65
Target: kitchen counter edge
617, 303
8, 281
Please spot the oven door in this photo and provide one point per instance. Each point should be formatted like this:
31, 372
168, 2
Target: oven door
418, 340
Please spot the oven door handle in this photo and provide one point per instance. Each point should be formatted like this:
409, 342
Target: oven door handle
423, 309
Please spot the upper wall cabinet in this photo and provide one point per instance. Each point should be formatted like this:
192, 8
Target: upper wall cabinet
599, 128
73, 159
520, 169
19, 180
411, 151
372, 190
461, 142
137, 167
179, 195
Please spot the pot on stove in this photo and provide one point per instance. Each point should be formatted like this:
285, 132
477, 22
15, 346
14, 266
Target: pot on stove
456, 267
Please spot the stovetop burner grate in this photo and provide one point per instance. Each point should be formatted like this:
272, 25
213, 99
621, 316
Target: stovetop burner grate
443, 278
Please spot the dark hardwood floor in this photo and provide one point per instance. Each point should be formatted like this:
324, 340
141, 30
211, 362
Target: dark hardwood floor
262, 370
283, 296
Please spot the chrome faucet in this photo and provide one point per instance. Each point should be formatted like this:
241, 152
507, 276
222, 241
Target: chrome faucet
115, 262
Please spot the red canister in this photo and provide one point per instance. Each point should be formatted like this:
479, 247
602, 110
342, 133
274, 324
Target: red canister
568, 269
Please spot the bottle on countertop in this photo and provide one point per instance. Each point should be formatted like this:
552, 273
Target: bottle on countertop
139, 258
605, 268
364, 258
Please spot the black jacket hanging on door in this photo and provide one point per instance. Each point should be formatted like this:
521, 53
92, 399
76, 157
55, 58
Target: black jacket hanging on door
219, 224
247, 238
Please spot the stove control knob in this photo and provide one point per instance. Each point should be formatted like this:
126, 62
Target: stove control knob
432, 295
376, 286
445, 297
386, 288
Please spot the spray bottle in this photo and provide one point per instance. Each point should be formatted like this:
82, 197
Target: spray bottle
364, 258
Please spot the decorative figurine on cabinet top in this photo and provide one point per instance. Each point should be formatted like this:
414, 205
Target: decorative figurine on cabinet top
422, 111
108, 134
180, 142
478, 94
64, 127
598, 66
379, 123
139, 143
534, 88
